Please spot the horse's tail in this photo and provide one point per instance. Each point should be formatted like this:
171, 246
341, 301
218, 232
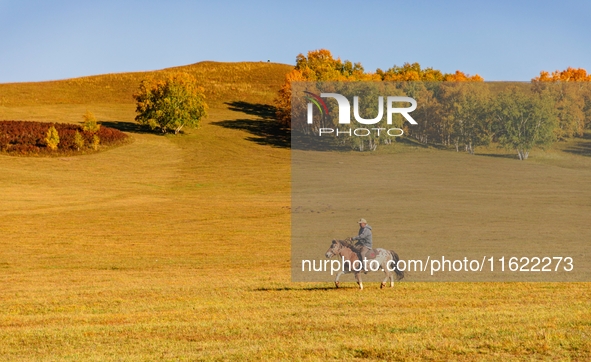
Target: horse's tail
396, 258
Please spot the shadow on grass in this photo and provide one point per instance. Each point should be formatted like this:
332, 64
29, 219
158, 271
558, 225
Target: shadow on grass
582, 147
131, 127
497, 155
265, 130
300, 141
291, 289
411, 141
263, 111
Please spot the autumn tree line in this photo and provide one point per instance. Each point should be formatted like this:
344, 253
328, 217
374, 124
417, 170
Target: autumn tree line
454, 110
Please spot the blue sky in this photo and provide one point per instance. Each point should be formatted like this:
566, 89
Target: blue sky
500, 40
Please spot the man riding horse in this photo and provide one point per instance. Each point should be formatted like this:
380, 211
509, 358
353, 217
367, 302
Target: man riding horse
363, 251
364, 241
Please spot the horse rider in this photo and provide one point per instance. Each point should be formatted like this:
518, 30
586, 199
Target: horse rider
364, 240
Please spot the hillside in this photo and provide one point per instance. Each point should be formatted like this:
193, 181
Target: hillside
223, 82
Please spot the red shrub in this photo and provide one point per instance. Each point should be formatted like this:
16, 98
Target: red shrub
24, 137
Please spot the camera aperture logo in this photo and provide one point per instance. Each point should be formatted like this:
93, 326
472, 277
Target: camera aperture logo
344, 107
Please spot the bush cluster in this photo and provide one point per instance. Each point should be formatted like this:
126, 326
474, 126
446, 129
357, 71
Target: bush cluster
25, 137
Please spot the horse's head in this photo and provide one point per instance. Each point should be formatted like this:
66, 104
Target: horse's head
334, 249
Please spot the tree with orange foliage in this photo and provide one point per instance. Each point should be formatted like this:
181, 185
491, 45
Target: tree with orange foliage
459, 76
283, 100
568, 75
318, 65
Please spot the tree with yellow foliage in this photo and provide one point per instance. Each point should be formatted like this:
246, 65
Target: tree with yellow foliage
52, 138
410, 72
413, 72
320, 65
170, 104
571, 91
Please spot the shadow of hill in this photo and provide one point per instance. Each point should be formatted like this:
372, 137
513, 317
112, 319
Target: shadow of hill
265, 130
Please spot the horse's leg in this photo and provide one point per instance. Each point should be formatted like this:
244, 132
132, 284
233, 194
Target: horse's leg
388, 275
358, 277
391, 272
336, 281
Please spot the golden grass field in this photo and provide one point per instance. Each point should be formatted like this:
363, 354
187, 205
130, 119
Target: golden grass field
177, 248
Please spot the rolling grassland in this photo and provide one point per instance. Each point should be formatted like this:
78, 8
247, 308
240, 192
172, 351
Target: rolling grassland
178, 247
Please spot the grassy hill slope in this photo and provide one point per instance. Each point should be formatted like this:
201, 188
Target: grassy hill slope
223, 82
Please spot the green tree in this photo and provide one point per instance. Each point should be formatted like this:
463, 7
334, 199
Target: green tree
367, 97
570, 101
571, 89
465, 112
170, 104
428, 112
525, 120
